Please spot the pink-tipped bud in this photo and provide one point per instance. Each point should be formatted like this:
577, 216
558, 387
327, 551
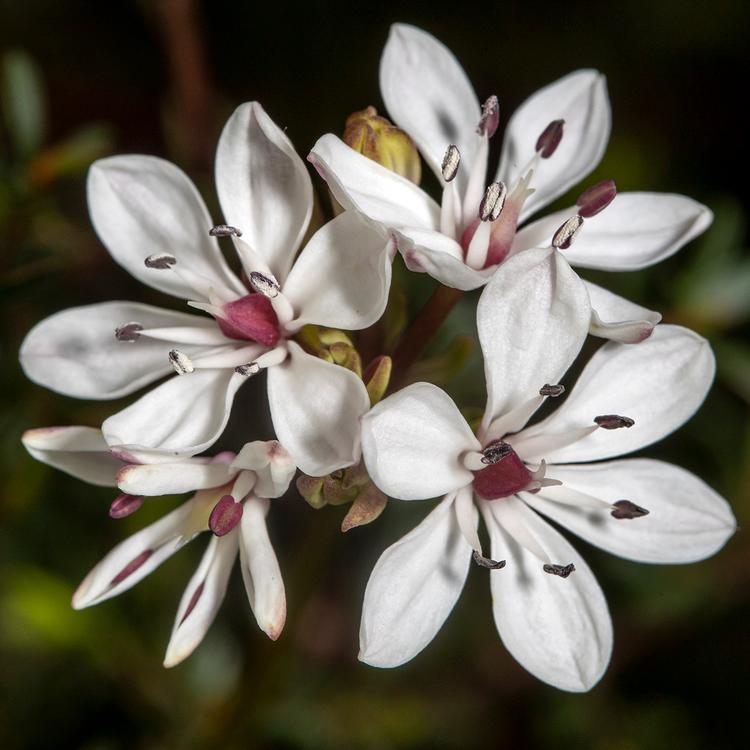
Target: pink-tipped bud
564, 236
225, 516
125, 505
490, 117
590, 202
549, 140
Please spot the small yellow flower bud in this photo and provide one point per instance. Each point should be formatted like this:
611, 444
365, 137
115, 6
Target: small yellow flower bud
379, 140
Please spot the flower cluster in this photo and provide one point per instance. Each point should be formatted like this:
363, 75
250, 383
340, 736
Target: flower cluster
355, 436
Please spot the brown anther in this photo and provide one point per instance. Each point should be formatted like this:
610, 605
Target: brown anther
559, 570
248, 370
490, 117
549, 140
624, 509
129, 333
564, 236
266, 285
613, 421
590, 202
160, 261
495, 452
493, 202
182, 364
487, 562
451, 160
552, 390
224, 230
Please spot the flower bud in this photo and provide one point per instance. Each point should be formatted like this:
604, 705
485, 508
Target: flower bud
379, 140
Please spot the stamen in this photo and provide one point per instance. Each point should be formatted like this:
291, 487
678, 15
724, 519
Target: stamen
248, 370
182, 364
193, 601
487, 562
493, 202
559, 570
450, 163
266, 285
495, 452
130, 332
550, 138
490, 117
613, 421
564, 236
225, 516
224, 230
552, 390
590, 202
160, 261
624, 509
125, 505
131, 567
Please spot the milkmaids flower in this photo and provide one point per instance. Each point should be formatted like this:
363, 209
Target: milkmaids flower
549, 610
154, 223
230, 498
552, 142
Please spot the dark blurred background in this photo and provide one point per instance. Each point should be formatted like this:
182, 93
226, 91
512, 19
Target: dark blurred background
85, 79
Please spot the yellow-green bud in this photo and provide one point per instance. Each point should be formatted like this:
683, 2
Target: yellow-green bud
379, 140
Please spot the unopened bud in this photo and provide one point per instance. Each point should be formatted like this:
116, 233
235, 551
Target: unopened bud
346, 356
490, 117
311, 488
451, 160
378, 139
564, 236
367, 506
493, 201
590, 202
376, 377
549, 140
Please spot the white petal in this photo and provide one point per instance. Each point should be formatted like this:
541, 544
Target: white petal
182, 417
162, 539
141, 205
260, 569
687, 520
413, 442
580, 98
413, 588
209, 585
440, 256
659, 383
614, 317
532, 319
635, 231
173, 478
75, 352
428, 94
272, 465
558, 629
79, 451
362, 185
342, 277
315, 408
263, 185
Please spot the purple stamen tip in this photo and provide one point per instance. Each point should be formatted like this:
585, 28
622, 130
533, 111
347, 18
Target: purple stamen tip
624, 509
131, 567
559, 570
490, 117
549, 140
125, 505
590, 202
225, 516
613, 421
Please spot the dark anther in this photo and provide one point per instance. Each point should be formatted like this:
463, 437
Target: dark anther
495, 452
265, 285
564, 236
550, 138
486, 562
559, 570
129, 332
552, 390
624, 509
451, 160
252, 368
613, 421
590, 202
490, 117
493, 202
160, 261
224, 230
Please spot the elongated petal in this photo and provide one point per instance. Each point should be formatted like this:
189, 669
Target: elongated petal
532, 319
687, 521
182, 417
315, 408
79, 451
413, 588
413, 441
75, 352
260, 569
581, 99
558, 629
173, 478
342, 277
428, 94
360, 184
136, 557
263, 186
431, 252
141, 205
636, 231
273, 466
202, 598
614, 317
659, 383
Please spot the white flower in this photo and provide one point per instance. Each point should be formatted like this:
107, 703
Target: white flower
532, 320
154, 223
231, 498
428, 94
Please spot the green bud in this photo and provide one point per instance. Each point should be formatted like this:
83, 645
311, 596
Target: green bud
346, 356
311, 488
377, 377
